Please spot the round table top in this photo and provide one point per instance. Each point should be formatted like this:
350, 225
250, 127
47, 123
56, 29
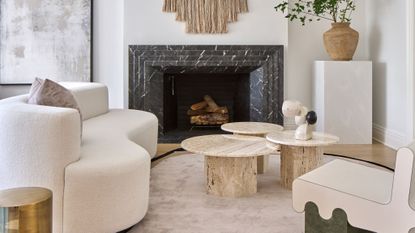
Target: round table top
223, 145
287, 138
23, 196
251, 128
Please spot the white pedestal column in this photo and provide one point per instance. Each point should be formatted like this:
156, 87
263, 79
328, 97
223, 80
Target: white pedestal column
342, 99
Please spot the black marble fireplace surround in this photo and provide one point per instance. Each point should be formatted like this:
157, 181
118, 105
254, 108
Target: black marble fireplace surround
151, 67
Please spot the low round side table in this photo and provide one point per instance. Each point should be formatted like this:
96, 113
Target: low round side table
26, 210
299, 157
259, 129
230, 162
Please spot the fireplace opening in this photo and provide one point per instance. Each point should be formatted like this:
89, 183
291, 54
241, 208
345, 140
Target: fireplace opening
230, 91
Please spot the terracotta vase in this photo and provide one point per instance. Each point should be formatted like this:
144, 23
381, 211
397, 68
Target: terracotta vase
341, 41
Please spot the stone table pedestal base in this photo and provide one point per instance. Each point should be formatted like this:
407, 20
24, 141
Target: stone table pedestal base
262, 164
231, 177
296, 161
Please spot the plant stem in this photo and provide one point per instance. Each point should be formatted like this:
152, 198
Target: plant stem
345, 11
318, 16
334, 12
351, 11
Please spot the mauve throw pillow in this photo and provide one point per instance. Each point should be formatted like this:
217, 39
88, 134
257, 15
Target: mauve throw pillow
49, 93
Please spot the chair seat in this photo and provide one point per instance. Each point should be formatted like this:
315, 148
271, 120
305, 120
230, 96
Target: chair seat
372, 199
358, 180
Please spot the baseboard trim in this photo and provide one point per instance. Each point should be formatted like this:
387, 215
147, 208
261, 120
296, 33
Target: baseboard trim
388, 137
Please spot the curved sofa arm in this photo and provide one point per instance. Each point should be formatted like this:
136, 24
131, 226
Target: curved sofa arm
37, 140
36, 144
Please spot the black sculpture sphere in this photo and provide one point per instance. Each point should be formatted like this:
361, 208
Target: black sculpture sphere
311, 117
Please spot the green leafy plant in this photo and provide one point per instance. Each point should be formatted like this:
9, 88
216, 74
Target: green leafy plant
337, 11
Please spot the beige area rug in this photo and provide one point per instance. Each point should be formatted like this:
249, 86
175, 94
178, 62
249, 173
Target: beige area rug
179, 203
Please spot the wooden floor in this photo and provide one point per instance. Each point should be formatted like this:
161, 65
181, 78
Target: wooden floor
376, 153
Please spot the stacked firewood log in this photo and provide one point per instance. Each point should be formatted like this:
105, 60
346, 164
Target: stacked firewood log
208, 112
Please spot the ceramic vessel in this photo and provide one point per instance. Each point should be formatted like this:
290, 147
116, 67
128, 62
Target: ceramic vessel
341, 41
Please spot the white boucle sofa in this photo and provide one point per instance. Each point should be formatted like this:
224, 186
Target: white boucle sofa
100, 183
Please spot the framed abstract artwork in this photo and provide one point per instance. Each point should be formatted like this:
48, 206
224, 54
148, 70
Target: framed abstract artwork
46, 39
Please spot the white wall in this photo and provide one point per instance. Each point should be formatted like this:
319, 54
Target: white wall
145, 23
387, 48
261, 26
118, 24
305, 45
381, 24
108, 44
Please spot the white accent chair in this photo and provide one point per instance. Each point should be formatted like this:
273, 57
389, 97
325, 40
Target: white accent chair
373, 199
100, 183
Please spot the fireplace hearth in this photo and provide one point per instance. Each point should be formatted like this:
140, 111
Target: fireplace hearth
168, 80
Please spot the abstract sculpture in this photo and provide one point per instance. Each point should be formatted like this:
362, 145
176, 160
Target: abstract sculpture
303, 118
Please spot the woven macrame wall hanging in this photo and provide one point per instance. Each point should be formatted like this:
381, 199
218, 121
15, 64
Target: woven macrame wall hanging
206, 16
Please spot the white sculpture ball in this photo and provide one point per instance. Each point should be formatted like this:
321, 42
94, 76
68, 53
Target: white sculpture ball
291, 108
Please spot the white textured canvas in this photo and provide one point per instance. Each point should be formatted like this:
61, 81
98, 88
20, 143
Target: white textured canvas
45, 38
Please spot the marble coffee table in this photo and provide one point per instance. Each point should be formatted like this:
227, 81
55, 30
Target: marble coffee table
230, 162
299, 157
259, 129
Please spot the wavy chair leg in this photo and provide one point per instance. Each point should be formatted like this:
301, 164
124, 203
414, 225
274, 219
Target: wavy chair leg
337, 224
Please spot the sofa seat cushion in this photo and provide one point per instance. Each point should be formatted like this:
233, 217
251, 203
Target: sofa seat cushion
111, 176
138, 126
354, 179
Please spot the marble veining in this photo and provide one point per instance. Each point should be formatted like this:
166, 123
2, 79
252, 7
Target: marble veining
264, 63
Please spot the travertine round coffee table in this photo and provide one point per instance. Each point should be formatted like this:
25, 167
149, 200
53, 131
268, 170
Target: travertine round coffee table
299, 157
259, 129
230, 162
251, 128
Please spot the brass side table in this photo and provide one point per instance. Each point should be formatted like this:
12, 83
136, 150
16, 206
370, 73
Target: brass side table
26, 210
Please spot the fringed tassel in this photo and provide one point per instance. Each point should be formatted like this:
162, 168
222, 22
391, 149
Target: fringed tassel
206, 16
169, 6
181, 9
233, 8
214, 13
243, 6
199, 16
191, 20
223, 16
